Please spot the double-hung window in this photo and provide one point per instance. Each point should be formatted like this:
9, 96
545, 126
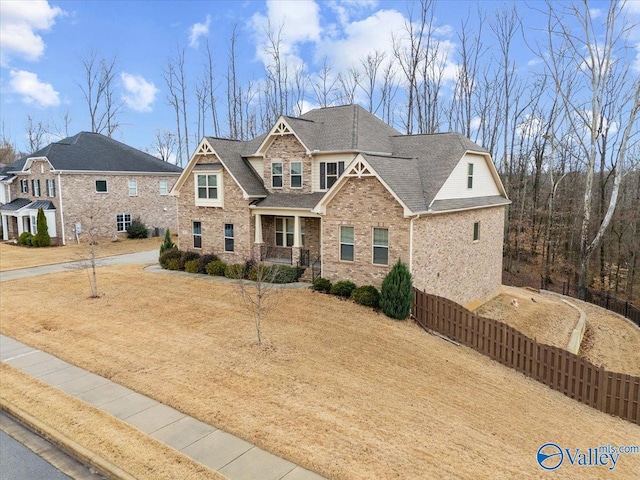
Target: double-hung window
347, 244
164, 187
123, 220
228, 237
470, 175
284, 232
276, 175
133, 188
296, 174
381, 246
101, 186
51, 187
24, 186
197, 234
35, 188
329, 173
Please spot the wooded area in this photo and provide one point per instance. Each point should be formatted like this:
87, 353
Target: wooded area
562, 130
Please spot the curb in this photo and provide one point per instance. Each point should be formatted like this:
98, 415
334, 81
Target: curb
83, 455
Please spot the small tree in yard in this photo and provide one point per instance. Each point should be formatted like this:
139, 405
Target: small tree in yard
42, 235
167, 244
396, 293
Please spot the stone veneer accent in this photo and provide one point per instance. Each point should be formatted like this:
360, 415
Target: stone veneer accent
80, 199
363, 203
446, 260
235, 211
287, 149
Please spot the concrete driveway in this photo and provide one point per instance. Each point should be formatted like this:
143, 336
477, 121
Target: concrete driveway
150, 256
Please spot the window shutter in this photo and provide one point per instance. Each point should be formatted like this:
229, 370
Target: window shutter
340, 168
323, 179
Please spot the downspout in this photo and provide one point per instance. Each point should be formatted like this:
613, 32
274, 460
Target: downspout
411, 243
64, 242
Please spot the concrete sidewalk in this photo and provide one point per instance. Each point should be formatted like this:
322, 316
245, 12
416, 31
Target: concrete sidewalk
232, 457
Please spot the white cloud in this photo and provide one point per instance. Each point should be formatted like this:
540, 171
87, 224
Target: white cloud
636, 62
344, 9
19, 22
32, 90
199, 30
140, 94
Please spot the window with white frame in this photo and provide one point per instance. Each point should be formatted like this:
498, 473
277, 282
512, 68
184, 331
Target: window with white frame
208, 189
133, 188
476, 231
51, 187
123, 220
470, 175
381, 246
284, 232
35, 188
33, 225
24, 186
296, 175
276, 175
347, 244
197, 234
164, 187
228, 237
101, 186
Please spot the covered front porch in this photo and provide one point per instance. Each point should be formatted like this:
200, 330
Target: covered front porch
20, 215
287, 237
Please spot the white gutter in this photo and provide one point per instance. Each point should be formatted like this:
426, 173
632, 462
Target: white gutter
411, 242
64, 242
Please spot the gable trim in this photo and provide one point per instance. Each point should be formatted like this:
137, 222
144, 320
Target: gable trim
354, 170
27, 165
280, 129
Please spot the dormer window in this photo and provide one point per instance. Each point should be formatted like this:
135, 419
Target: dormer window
208, 189
276, 175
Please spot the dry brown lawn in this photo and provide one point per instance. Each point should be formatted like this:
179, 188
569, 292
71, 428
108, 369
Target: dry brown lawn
13, 256
340, 390
612, 341
124, 446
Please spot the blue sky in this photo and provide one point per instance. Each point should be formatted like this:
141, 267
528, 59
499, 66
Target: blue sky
42, 43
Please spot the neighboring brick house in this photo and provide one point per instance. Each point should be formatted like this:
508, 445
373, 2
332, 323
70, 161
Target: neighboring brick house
340, 190
87, 181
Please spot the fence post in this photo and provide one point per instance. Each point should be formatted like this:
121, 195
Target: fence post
600, 400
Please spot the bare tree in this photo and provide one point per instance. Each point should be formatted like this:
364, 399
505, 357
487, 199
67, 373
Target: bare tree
99, 94
37, 134
370, 66
87, 231
210, 80
234, 95
348, 82
323, 84
171, 77
164, 145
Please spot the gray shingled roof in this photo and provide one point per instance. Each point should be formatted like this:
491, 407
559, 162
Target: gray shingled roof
463, 203
15, 204
88, 151
291, 200
230, 153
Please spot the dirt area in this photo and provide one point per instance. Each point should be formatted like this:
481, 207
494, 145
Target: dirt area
124, 446
610, 340
339, 389
13, 256
541, 317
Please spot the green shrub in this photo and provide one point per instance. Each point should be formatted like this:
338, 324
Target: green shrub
25, 238
217, 267
191, 266
173, 264
366, 295
167, 244
137, 229
397, 294
343, 288
186, 256
321, 285
235, 270
42, 236
205, 260
171, 254
33, 241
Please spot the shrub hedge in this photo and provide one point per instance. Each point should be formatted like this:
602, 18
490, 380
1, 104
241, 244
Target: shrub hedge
216, 267
343, 288
204, 260
235, 270
171, 254
25, 238
191, 266
186, 256
137, 229
366, 295
321, 285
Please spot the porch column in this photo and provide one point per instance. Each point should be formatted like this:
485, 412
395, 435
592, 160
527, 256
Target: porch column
258, 229
297, 234
5, 228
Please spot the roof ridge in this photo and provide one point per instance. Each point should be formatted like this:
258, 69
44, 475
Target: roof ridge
354, 131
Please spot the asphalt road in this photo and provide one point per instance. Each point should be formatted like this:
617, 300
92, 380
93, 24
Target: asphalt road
17, 462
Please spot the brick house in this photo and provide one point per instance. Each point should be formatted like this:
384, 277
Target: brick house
84, 181
339, 190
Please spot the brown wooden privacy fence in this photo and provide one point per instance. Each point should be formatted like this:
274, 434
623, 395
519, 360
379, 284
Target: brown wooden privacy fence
577, 378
